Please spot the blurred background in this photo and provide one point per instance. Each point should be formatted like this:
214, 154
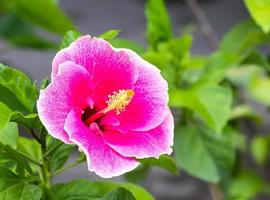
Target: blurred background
97, 16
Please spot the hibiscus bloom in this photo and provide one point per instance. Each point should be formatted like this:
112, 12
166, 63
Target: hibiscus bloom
109, 102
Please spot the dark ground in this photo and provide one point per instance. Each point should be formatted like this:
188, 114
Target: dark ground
96, 16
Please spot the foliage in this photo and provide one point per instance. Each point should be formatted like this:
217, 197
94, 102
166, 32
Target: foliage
212, 97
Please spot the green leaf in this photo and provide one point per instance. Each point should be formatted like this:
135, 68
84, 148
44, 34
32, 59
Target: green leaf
84, 189
204, 154
43, 13
68, 38
124, 43
260, 12
9, 135
109, 35
21, 33
32, 149
119, 193
260, 149
205, 100
4, 115
158, 23
13, 188
60, 153
30, 121
19, 162
20, 85
164, 161
137, 175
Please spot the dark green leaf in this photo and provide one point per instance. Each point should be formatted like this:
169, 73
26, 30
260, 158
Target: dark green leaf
30, 121
88, 190
60, 153
205, 100
260, 12
20, 85
109, 35
204, 154
119, 193
13, 188
164, 161
43, 13
158, 23
137, 175
68, 38
9, 135
7, 155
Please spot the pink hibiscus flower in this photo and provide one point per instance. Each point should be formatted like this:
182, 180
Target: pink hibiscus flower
109, 102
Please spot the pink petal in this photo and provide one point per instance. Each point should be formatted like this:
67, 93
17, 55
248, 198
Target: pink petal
110, 69
148, 107
151, 143
101, 158
68, 89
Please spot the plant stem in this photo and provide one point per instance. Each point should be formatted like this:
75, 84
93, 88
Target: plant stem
45, 167
35, 136
215, 192
204, 23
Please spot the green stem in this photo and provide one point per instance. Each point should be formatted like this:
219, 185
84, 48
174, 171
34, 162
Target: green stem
45, 167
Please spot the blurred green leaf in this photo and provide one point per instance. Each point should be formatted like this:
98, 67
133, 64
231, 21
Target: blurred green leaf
4, 115
21, 33
124, 43
68, 38
242, 38
44, 13
164, 161
203, 153
158, 23
9, 135
260, 149
84, 189
243, 110
205, 100
109, 35
246, 184
20, 85
260, 12
13, 188
119, 193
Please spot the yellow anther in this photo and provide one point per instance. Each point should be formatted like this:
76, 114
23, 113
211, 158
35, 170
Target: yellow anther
119, 100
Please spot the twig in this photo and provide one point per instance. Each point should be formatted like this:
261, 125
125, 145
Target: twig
204, 23
35, 136
215, 192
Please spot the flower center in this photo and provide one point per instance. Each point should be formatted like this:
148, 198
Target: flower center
117, 102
